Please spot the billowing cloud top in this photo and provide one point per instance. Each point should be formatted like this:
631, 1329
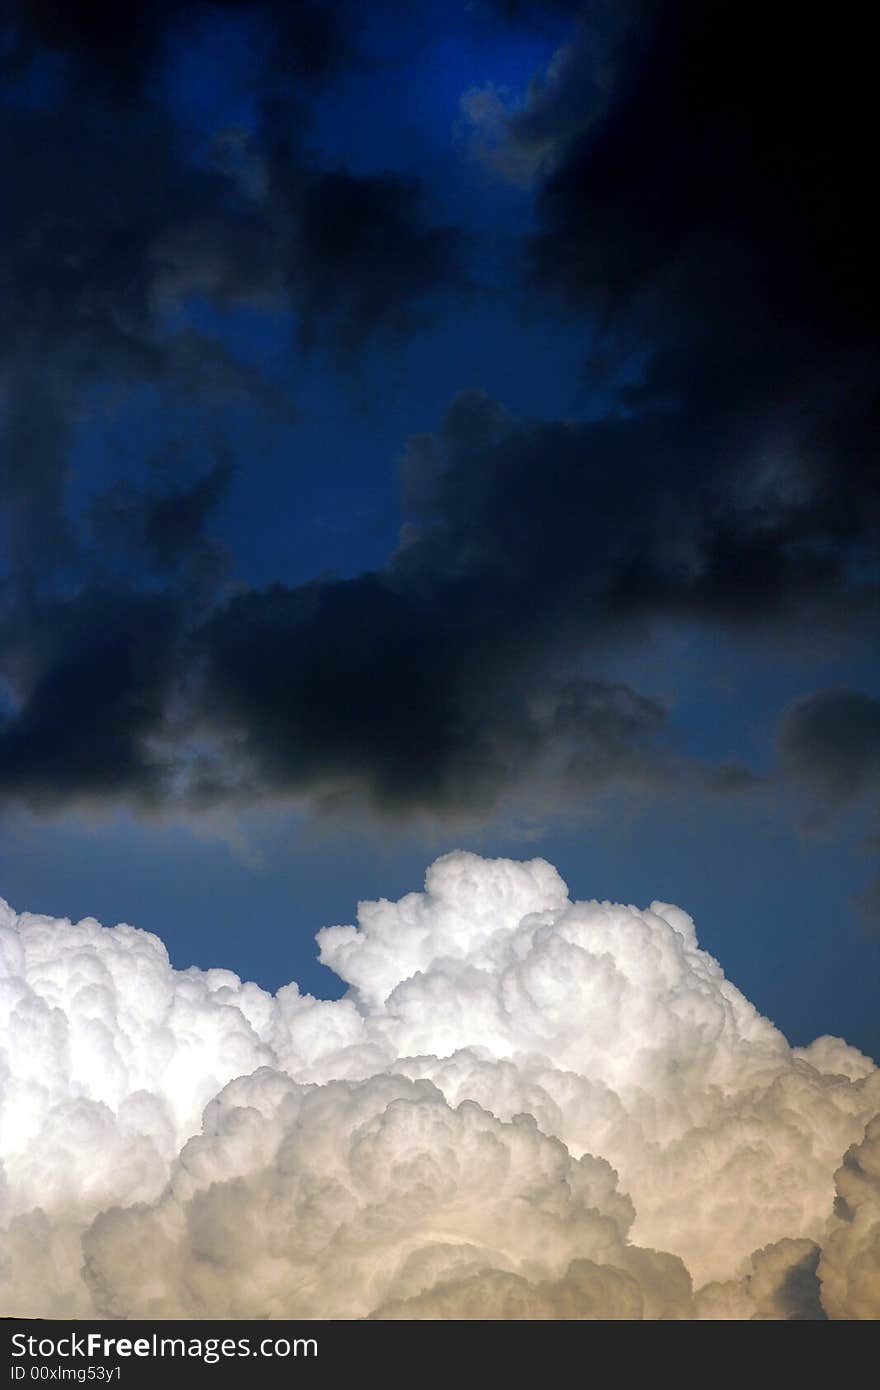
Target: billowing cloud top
522, 1107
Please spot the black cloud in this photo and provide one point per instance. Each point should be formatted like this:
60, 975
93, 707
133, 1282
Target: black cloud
708, 216
97, 695
829, 746
449, 677
120, 44
110, 227
831, 742
714, 211
364, 255
369, 692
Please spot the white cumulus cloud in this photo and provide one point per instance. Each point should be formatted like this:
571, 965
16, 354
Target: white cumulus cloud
522, 1107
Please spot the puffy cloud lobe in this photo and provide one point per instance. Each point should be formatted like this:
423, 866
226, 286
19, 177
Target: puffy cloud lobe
523, 1107
348, 1194
850, 1264
779, 1284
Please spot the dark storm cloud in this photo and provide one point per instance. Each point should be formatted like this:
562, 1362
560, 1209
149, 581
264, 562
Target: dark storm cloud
437, 684
104, 669
370, 691
714, 126
700, 186
345, 286
830, 741
621, 518
107, 226
121, 44
95, 207
111, 229
715, 214
96, 676
164, 528
457, 672
534, 11
699, 210
829, 747
454, 674
703, 206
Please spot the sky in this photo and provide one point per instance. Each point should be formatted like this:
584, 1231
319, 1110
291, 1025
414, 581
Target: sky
449, 426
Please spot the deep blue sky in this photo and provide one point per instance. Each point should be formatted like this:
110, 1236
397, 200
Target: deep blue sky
667, 536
